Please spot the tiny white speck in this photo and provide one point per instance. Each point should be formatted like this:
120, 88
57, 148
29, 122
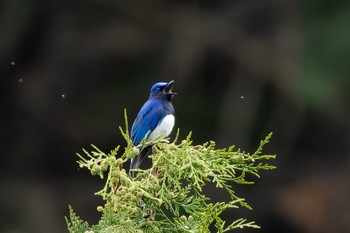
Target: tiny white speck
242, 97
63, 96
13, 63
20, 80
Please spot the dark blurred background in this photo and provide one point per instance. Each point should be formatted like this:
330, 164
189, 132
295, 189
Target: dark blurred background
242, 68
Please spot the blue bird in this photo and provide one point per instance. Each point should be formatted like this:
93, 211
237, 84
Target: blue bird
155, 119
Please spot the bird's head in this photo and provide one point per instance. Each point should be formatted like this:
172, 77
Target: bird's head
162, 90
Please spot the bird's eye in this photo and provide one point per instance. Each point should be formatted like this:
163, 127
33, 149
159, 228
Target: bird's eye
158, 89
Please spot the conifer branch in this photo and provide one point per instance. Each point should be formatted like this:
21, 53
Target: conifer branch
168, 197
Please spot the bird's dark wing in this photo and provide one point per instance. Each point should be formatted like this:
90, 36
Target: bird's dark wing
146, 121
136, 161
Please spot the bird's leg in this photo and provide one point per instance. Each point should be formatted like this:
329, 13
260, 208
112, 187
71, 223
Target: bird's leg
155, 171
117, 185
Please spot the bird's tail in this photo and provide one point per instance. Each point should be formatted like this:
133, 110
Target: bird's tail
136, 161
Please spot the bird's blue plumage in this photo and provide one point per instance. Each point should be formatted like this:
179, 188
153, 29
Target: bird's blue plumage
147, 120
151, 115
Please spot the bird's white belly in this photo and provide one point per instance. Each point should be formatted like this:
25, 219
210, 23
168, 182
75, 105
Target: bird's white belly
164, 128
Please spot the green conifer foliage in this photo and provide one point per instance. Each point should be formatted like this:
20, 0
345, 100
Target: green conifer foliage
169, 197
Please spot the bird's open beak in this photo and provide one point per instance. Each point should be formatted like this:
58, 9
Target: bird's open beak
168, 88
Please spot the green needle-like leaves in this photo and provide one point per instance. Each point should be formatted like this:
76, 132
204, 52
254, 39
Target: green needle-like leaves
169, 197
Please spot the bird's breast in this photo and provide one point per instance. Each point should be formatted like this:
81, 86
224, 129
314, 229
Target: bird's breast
164, 128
